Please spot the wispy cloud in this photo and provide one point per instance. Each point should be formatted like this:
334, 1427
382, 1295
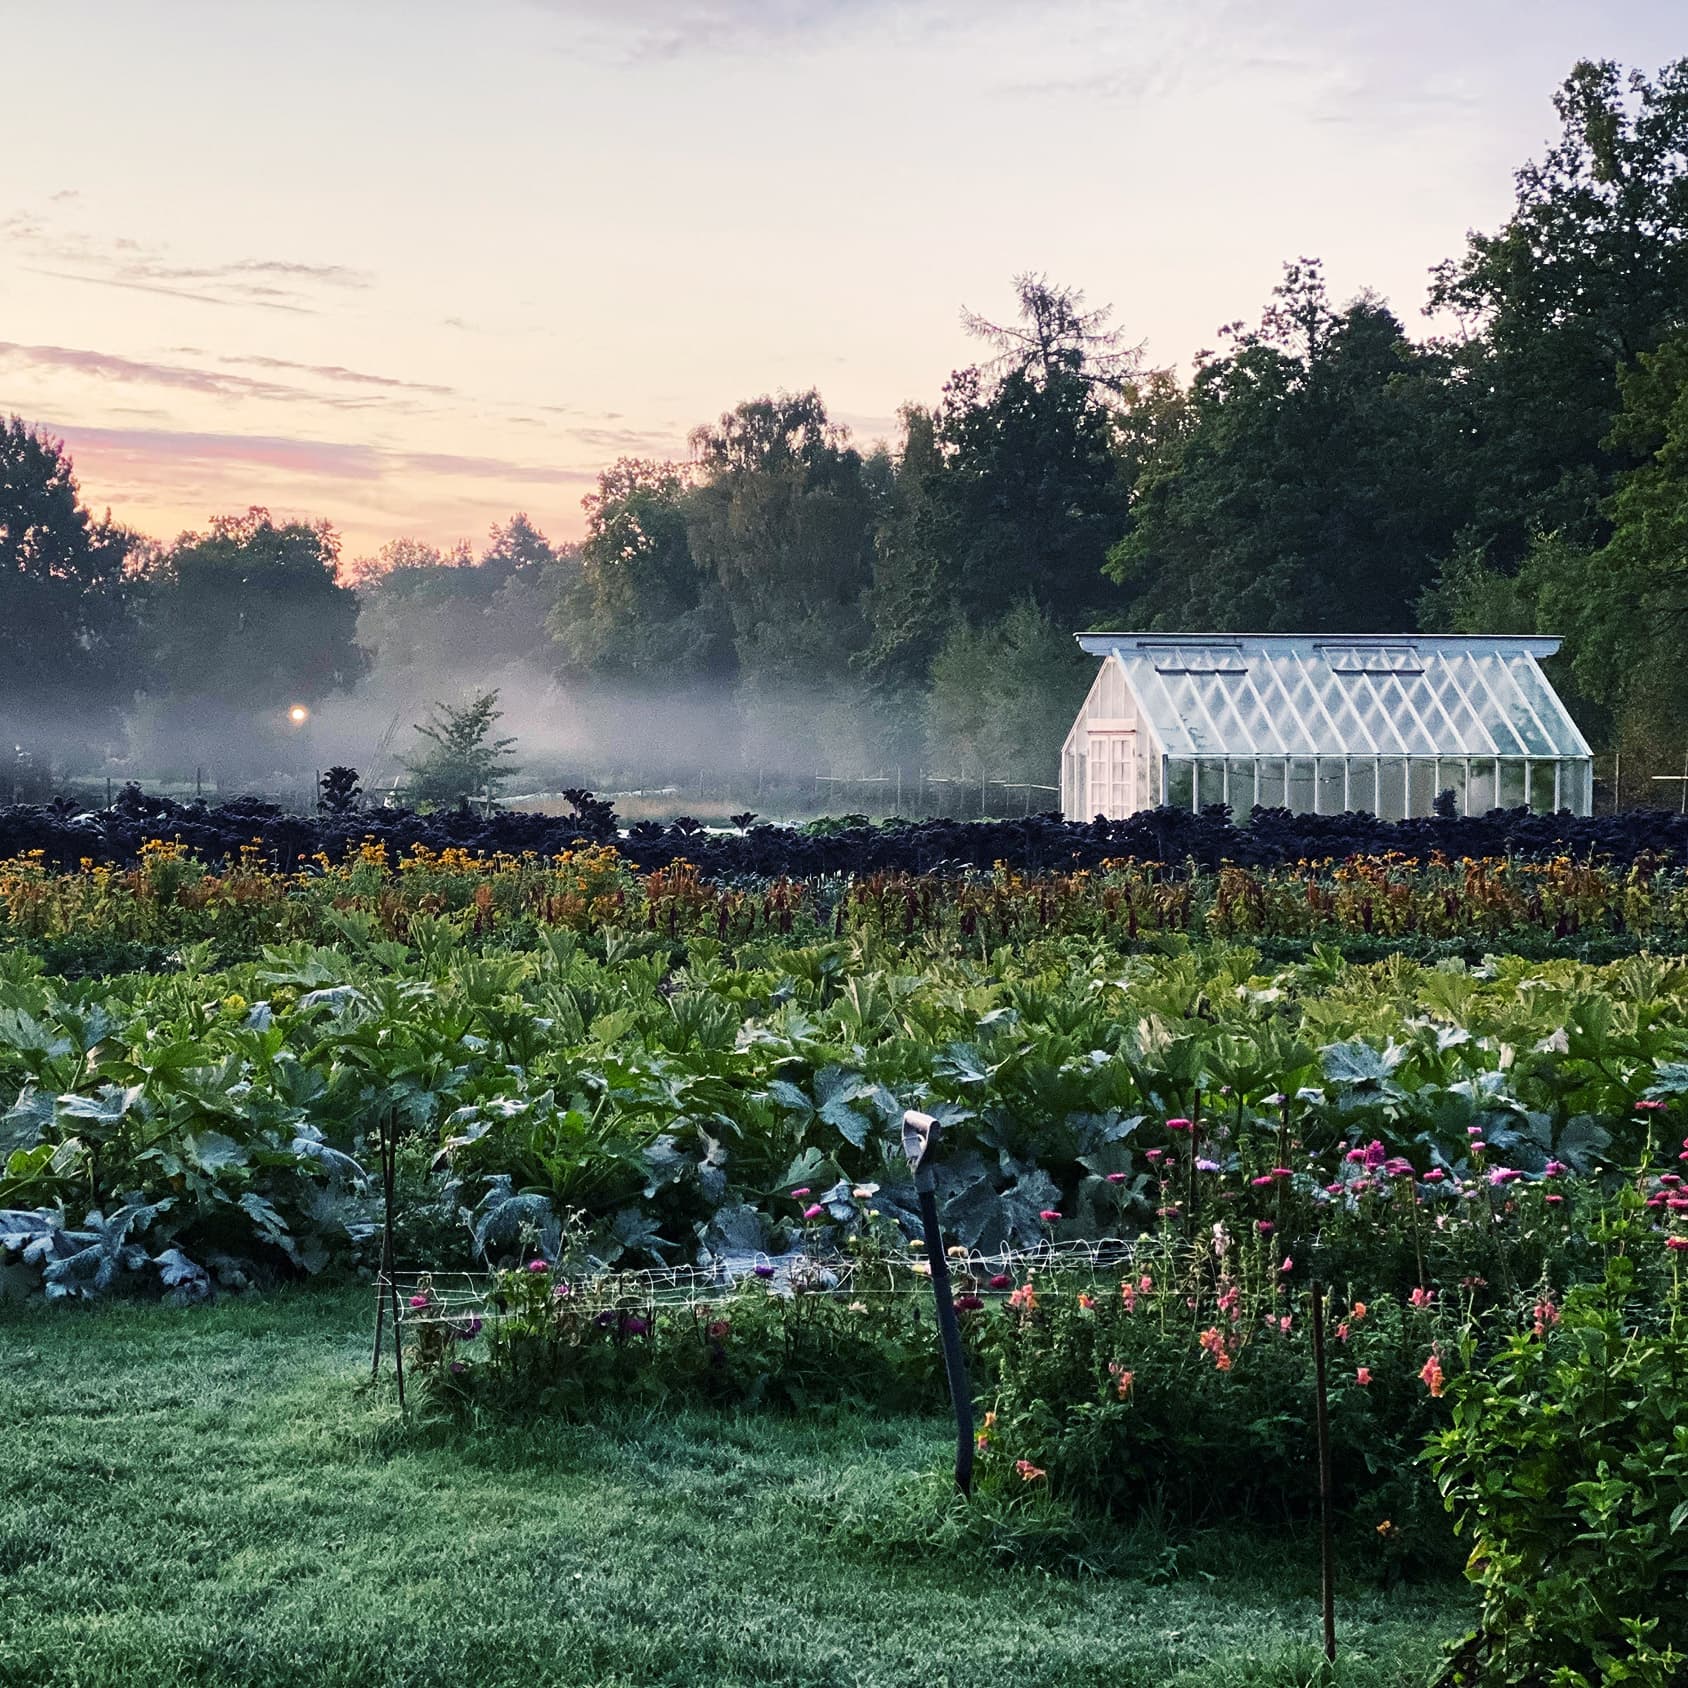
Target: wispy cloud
271, 284
111, 366
337, 372
135, 449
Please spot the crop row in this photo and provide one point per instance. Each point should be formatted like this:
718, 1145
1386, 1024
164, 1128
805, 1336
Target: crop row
209, 1125
170, 897
218, 832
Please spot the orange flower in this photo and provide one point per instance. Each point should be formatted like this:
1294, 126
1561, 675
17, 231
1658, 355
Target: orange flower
1430, 1374
1359, 1311
1123, 1379
1029, 1473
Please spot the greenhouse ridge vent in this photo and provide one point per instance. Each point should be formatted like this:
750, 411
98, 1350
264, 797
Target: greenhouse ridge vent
1322, 723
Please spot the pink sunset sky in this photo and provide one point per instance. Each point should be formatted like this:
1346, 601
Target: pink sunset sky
413, 266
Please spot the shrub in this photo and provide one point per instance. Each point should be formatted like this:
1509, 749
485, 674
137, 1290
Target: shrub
1567, 1466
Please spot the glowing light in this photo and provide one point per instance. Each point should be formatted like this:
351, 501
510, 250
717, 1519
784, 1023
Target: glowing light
298, 714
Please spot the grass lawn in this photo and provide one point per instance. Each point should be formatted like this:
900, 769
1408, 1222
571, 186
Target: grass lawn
206, 1497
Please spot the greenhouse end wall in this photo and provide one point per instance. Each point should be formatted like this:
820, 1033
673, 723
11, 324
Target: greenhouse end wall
1391, 787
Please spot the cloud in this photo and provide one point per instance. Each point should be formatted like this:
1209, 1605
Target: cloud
110, 366
271, 284
138, 449
338, 372
668, 29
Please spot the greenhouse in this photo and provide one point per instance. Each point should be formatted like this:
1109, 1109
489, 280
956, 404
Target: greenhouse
1319, 725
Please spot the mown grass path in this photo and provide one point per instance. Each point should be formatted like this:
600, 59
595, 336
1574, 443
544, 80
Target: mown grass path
206, 1497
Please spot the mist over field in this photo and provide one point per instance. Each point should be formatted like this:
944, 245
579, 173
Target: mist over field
791, 607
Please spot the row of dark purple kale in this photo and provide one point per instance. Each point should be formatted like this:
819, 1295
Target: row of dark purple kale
215, 832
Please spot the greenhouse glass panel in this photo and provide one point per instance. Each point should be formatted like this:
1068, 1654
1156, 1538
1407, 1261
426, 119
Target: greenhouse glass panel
1181, 784
1480, 787
1240, 785
1210, 783
1450, 776
1392, 789
1270, 782
1301, 785
1421, 786
1542, 797
1513, 792
1330, 794
1362, 784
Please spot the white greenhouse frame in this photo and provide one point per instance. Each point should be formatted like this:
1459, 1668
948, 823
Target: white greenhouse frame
1320, 724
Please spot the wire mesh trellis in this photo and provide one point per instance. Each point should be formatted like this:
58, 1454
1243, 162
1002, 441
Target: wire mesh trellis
426, 1297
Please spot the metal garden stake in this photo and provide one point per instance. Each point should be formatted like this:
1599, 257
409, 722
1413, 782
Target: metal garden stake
1321, 1423
920, 1137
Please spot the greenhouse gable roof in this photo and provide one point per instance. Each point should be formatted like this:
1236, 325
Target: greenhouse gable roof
1277, 694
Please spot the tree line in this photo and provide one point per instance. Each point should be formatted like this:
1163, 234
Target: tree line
1524, 467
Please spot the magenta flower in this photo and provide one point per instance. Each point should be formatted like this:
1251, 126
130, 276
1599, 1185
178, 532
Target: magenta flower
1265, 1227
1000, 1280
1375, 1155
419, 1301
1435, 1175
813, 1211
1504, 1175
538, 1266
1050, 1215
1398, 1166
1116, 1177
969, 1303
1263, 1183
1650, 1105
1177, 1125
800, 1192
1553, 1169
763, 1270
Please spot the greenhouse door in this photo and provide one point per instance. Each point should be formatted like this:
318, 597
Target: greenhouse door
1112, 768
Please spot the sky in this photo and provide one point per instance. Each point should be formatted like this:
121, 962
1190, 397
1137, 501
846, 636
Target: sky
413, 265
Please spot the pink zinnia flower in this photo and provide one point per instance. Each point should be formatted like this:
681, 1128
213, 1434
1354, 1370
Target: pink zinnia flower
813, 1211
1553, 1169
1262, 1183
1116, 1177
1676, 1243
1177, 1125
1050, 1215
1265, 1227
538, 1266
801, 1191
1000, 1280
419, 1301
1650, 1105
